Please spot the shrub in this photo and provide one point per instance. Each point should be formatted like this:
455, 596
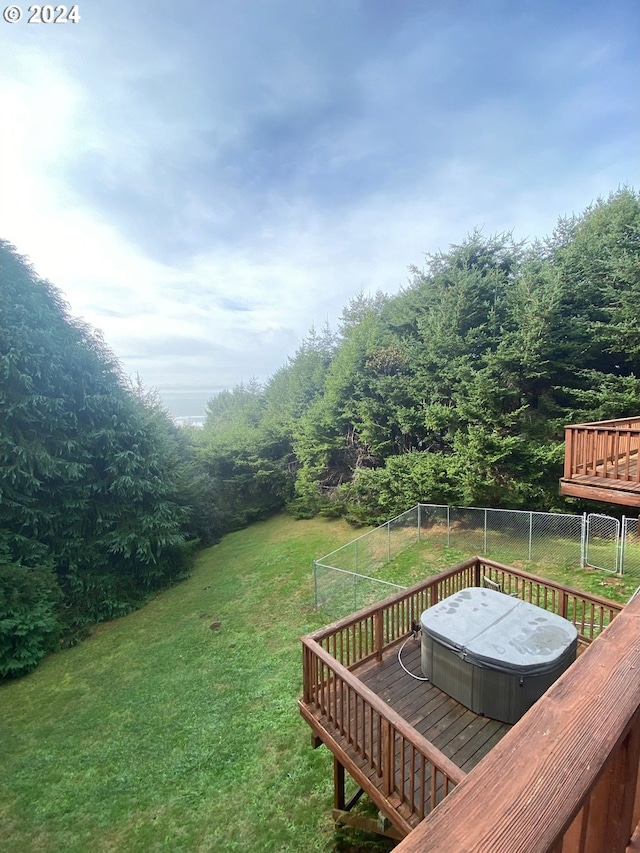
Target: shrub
29, 625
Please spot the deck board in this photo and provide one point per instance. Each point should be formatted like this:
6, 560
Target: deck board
605, 482
460, 734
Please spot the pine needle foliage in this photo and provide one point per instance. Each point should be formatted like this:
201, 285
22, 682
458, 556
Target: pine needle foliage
90, 516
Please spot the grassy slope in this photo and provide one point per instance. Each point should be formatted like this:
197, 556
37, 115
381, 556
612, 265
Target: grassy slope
159, 733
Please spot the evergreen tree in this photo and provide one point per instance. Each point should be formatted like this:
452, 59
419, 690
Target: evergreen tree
90, 518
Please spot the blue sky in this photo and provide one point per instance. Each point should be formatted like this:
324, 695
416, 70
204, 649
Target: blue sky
204, 181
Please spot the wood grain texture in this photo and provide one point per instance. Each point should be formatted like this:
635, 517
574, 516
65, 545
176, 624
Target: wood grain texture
597, 489
569, 765
601, 461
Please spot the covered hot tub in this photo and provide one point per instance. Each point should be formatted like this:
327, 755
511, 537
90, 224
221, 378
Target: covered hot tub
493, 653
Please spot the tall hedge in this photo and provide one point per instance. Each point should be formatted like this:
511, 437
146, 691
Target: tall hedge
90, 515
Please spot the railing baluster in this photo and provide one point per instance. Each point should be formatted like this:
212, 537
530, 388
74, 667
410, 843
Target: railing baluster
423, 787
412, 777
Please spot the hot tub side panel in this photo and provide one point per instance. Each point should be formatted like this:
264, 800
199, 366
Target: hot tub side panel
499, 695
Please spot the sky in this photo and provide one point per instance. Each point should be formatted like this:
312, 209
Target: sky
207, 181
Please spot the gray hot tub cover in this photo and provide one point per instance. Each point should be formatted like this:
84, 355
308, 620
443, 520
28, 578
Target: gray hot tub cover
490, 629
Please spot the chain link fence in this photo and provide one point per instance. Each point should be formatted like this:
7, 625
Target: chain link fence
342, 578
339, 592
518, 536
377, 547
630, 547
514, 537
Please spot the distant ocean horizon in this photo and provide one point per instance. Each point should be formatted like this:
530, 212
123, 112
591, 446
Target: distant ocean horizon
188, 405
190, 420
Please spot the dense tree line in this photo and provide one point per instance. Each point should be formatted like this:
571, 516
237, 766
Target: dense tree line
455, 390
100, 493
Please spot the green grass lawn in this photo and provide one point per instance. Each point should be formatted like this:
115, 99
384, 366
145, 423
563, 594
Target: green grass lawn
159, 733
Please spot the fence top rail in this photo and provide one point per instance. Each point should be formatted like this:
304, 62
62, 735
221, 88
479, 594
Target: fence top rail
407, 731
357, 575
587, 596
524, 794
511, 511
367, 533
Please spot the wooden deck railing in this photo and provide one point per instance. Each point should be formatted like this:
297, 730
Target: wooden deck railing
603, 449
565, 778
383, 741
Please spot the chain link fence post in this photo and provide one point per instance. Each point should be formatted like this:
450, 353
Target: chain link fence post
484, 545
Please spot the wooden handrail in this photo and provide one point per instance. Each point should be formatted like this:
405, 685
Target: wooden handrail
520, 573
347, 707
380, 707
346, 621
615, 423
589, 613
566, 776
378, 734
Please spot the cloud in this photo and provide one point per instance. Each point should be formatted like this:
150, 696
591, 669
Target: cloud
206, 182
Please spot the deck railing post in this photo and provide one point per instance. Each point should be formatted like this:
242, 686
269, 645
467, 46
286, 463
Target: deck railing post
379, 635
568, 455
608, 818
306, 674
624, 785
339, 799
562, 604
484, 544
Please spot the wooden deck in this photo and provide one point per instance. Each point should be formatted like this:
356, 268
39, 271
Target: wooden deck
404, 742
565, 779
601, 462
458, 733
